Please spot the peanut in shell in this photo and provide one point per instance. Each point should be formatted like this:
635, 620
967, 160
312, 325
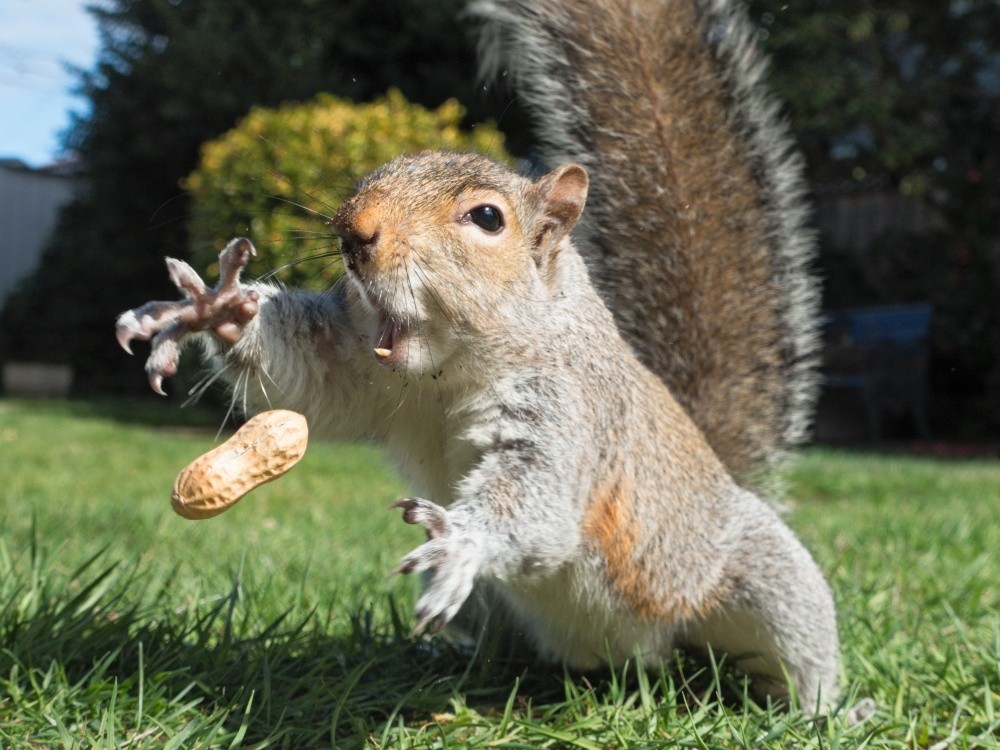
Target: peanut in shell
263, 449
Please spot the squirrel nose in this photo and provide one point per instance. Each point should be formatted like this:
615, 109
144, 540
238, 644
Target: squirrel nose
357, 248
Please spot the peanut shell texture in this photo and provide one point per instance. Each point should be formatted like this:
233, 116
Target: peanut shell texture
262, 450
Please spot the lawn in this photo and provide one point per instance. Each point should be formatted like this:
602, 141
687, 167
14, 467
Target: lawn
275, 625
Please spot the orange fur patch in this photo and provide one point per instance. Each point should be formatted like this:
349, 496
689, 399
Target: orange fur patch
612, 527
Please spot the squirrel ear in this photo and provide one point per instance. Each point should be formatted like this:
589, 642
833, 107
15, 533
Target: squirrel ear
562, 194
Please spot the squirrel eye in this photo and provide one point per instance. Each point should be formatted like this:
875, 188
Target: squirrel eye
486, 217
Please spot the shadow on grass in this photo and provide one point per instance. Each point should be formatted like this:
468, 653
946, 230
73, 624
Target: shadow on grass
292, 682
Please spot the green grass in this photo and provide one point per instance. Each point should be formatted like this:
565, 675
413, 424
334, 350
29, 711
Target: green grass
275, 625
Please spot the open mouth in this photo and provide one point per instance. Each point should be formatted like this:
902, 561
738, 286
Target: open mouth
393, 338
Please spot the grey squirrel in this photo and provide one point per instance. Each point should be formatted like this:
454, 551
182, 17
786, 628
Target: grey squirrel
582, 412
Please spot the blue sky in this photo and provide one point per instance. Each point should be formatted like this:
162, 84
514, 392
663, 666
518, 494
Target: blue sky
36, 38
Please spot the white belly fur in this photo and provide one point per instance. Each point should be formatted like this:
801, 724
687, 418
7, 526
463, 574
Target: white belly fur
580, 624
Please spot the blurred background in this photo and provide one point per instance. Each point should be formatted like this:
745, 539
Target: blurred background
183, 123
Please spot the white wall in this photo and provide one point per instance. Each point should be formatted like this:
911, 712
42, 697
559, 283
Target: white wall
29, 205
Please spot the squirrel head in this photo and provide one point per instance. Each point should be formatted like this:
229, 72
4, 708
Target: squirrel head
443, 248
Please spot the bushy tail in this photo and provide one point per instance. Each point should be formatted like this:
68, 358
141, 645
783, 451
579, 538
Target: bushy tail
695, 227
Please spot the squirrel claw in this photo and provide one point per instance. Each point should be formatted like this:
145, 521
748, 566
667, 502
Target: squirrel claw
450, 560
429, 624
424, 513
225, 310
405, 567
162, 361
156, 383
232, 259
124, 334
185, 278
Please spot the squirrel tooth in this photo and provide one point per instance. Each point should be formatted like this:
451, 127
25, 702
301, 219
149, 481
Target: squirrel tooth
383, 353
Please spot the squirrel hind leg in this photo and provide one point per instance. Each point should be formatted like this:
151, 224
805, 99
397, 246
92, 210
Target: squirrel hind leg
776, 620
750, 642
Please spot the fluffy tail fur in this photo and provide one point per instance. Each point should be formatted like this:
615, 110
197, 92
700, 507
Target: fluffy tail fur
695, 227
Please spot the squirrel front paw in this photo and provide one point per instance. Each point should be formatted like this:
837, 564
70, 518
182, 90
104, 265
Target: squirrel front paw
450, 558
224, 310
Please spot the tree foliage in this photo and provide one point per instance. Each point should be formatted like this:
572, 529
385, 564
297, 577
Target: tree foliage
281, 173
906, 92
905, 88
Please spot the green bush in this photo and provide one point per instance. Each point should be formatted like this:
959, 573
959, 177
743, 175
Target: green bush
280, 174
